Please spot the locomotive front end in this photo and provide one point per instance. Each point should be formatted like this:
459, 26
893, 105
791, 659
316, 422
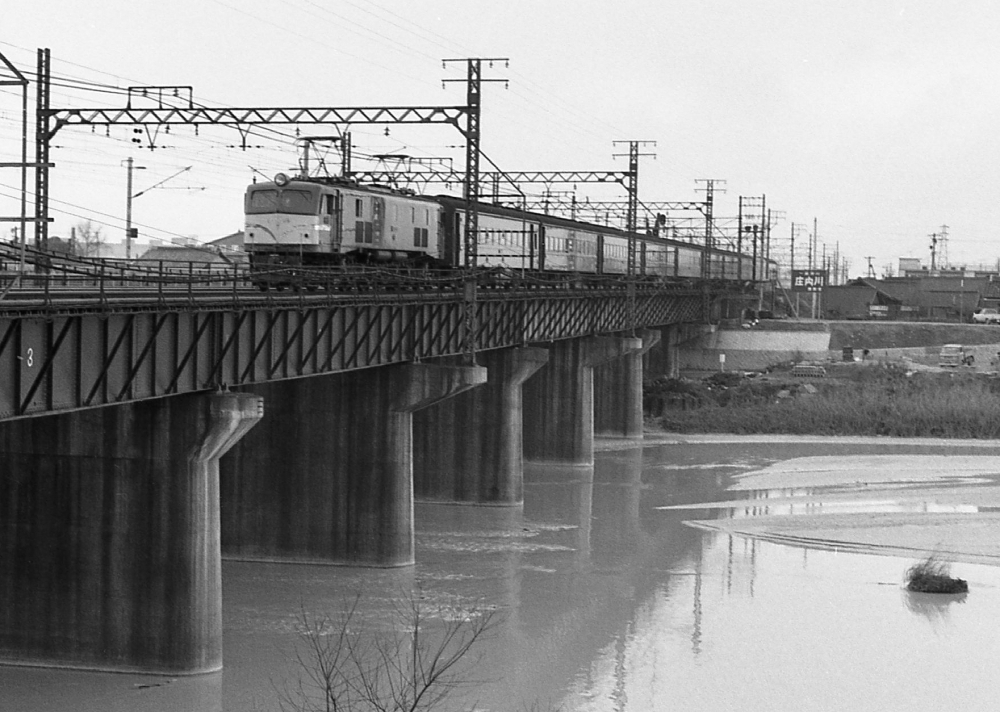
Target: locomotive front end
283, 229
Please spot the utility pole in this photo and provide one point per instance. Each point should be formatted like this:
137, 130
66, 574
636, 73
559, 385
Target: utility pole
473, 109
632, 187
814, 246
130, 232
773, 218
934, 241
798, 229
19, 80
711, 185
791, 242
631, 217
42, 136
739, 242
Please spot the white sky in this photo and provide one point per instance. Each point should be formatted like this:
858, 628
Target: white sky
876, 118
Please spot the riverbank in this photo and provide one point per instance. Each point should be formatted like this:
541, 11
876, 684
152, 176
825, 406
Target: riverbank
904, 505
837, 399
885, 505
736, 345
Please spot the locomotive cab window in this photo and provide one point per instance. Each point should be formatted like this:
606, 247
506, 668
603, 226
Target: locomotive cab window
295, 201
299, 202
359, 209
262, 201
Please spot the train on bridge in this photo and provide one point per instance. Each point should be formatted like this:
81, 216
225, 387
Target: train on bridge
294, 224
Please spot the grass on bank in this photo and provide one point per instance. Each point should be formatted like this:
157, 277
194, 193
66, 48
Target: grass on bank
878, 400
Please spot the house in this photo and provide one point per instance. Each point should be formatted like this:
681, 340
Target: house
225, 250
173, 254
860, 299
230, 243
945, 297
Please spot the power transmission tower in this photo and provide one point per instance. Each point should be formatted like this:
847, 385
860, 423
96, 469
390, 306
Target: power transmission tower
943, 250
871, 269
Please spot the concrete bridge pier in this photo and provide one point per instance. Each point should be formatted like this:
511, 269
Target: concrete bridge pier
617, 531
618, 392
664, 359
469, 449
559, 402
328, 477
109, 534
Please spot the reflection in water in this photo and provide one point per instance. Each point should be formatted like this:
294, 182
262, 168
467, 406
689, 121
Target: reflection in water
810, 502
932, 606
611, 603
31, 689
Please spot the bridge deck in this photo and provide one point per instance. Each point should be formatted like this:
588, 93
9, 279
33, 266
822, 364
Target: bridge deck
65, 348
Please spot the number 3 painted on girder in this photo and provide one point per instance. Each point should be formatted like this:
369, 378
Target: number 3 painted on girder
31, 358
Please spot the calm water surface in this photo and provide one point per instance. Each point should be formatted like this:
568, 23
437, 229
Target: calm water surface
611, 603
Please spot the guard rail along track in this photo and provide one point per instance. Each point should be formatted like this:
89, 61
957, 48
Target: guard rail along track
78, 333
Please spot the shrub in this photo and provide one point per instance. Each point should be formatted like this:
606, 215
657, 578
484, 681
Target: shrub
872, 401
933, 576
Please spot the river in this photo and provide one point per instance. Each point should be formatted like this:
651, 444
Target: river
607, 598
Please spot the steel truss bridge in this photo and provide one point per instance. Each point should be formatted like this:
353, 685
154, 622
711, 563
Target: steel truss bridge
80, 333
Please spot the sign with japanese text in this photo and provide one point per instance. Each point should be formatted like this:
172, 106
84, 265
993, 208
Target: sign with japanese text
808, 280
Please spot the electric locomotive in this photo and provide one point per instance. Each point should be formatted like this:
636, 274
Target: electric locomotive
293, 224
296, 222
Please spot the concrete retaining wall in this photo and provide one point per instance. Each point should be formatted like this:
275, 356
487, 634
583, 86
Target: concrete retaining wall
754, 348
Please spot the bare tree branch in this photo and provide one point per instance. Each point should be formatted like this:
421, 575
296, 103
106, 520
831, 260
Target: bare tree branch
425, 657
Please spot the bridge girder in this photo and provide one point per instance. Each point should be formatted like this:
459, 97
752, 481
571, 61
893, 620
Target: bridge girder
68, 361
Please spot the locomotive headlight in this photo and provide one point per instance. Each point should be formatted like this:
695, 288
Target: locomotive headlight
281, 179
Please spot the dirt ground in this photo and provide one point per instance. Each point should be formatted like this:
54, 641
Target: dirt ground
902, 334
